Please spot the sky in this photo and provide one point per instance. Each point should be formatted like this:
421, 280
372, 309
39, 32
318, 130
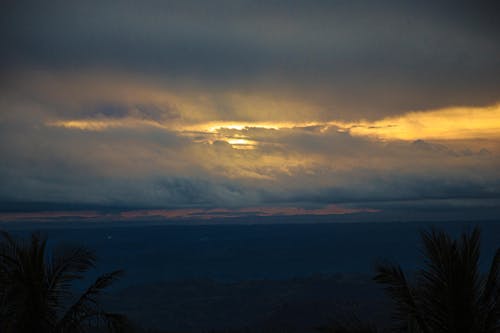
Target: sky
377, 110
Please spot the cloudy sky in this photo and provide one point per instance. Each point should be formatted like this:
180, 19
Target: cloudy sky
207, 109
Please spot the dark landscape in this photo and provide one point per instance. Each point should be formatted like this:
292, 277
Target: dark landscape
275, 277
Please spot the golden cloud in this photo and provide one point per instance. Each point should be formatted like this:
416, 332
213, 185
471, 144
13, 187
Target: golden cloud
457, 123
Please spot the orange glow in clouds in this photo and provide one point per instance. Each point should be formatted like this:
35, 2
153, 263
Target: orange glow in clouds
456, 123
444, 124
186, 213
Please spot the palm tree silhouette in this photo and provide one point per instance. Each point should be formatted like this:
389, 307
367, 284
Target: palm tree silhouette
35, 288
449, 294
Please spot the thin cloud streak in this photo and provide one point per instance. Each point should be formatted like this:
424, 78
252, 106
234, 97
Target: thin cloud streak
184, 214
249, 211
47, 216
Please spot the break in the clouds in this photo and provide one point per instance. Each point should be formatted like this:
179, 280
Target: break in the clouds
226, 108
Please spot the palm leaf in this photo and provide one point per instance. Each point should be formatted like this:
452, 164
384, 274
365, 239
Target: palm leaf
34, 286
398, 289
451, 294
87, 306
67, 265
490, 297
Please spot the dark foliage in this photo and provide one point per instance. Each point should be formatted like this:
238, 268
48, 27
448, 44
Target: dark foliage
36, 289
450, 294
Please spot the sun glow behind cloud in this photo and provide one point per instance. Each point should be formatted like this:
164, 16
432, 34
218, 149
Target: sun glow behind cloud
457, 123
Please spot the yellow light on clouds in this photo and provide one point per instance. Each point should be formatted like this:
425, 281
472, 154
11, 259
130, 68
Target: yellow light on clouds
241, 143
458, 123
103, 124
444, 124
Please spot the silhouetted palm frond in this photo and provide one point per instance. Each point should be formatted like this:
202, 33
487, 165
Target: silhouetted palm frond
35, 286
67, 265
87, 306
450, 294
397, 286
490, 297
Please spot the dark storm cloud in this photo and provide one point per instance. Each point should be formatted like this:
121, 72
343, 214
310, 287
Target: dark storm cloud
395, 54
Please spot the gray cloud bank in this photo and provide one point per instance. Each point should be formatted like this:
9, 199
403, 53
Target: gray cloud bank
361, 57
